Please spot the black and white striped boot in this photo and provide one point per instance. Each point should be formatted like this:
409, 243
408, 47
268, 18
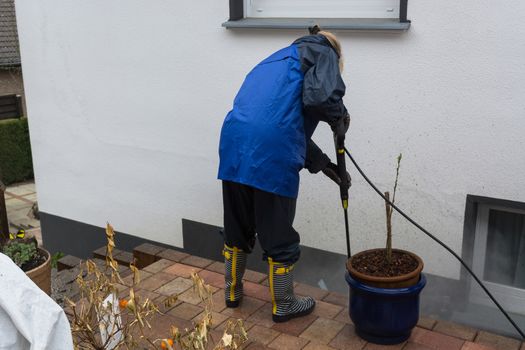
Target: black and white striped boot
234, 266
285, 304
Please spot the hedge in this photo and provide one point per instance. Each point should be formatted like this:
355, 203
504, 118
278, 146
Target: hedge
16, 163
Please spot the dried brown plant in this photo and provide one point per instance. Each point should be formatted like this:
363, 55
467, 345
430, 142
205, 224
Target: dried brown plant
102, 321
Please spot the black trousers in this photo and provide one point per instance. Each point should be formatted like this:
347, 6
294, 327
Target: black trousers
251, 214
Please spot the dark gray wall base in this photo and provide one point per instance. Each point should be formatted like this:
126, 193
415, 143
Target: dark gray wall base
80, 239
202, 240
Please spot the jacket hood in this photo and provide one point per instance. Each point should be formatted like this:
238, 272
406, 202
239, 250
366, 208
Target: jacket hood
315, 39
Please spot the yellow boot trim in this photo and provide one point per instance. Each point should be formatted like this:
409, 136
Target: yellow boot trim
270, 279
231, 248
227, 251
283, 270
234, 273
278, 271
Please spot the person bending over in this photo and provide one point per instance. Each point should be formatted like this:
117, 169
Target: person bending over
265, 142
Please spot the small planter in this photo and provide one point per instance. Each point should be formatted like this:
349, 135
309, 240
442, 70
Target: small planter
384, 310
41, 275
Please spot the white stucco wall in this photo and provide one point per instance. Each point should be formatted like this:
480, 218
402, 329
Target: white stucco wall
126, 99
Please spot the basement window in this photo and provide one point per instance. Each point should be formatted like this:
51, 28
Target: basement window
499, 254
375, 15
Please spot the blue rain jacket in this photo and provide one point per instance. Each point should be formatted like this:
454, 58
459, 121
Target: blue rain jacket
265, 139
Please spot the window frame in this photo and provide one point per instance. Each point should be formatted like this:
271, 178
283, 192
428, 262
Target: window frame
511, 298
238, 20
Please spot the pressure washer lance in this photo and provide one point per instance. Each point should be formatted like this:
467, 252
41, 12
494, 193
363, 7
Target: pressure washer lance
339, 140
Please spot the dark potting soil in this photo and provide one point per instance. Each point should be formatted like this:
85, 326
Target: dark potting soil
374, 264
39, 260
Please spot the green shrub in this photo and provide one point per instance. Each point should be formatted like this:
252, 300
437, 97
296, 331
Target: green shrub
20, 252
15, 151
54, 259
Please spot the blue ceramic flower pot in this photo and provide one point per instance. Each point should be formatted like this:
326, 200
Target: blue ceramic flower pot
384, 316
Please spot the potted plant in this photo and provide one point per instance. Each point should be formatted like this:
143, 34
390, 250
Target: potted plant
385, 284
33, 260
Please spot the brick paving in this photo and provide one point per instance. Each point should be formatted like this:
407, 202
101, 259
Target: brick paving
343, 316
347, 339
294, 327
497, 341
427, 323
166, 272
326, 310
196, 261
322, 330
456, 330
159, 265
172, 255
337, 299
435, 340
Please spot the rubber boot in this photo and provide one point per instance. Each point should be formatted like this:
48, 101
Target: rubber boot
285, 304
234, 266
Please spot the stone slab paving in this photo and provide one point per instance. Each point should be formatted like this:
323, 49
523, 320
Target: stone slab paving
21, 189
20, 198
328, 328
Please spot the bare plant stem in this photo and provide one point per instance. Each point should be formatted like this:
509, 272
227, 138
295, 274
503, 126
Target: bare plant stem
397, 177
388, 208
388, 229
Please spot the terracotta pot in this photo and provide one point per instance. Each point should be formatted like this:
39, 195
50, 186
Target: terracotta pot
403, 281
41, 275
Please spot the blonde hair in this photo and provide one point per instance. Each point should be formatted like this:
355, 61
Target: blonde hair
335, 44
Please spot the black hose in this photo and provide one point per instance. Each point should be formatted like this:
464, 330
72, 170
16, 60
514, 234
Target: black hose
440, 243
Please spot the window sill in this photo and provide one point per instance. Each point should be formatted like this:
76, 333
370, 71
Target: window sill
353, 24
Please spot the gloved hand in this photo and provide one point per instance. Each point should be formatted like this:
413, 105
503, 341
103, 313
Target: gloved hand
332, 173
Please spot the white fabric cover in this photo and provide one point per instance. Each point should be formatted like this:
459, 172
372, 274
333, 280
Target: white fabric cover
29, 318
